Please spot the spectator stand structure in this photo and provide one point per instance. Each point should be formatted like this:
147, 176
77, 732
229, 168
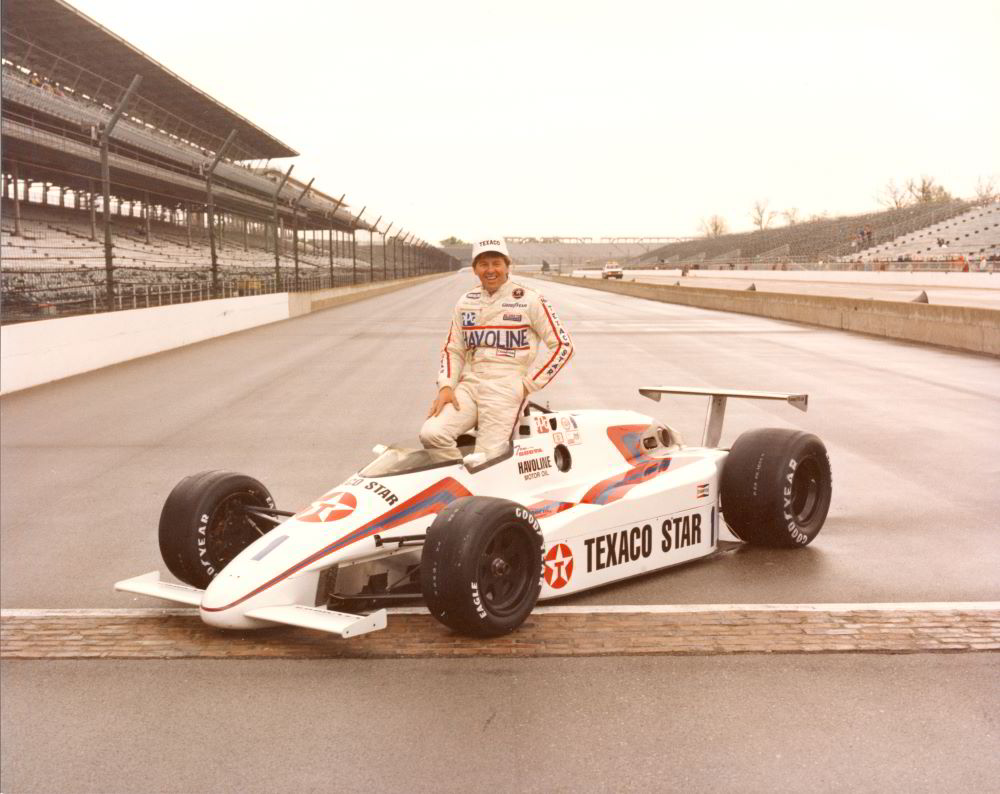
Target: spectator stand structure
828, 242
561, 252
64, 76
965, 239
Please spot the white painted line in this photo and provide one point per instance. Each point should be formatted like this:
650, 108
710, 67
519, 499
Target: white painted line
665, 609
662, 609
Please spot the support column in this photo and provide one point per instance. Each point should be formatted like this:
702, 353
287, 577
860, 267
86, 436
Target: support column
246, 235
330, 253
146, 213
17, 203
385, 253
187, 216
92, 203
295, 246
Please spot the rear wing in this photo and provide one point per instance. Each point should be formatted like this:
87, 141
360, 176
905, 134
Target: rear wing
717, 404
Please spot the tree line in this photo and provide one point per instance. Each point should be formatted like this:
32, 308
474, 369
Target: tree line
911, 192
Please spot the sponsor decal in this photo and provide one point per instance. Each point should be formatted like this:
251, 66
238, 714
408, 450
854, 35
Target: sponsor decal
559, 438
797, 534
558, 566
567, 423
617, 548
525, 451
572, 438
503, 353
517, 294
512, 318
701, 490
477, 601
630, 544
507, 338
474, 295
679, 532
381, 490
533, 468
514, 305
481, 243
541, 424
549, 507
330, 507
468, 318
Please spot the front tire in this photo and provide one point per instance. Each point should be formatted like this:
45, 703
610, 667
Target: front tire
776, 487
203, 525
481, 569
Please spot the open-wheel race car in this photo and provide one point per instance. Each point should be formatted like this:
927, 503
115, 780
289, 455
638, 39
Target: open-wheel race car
579, 499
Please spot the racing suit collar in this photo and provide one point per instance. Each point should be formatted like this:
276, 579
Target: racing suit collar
503, 291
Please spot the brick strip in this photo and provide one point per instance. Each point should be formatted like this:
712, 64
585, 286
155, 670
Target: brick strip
180, 634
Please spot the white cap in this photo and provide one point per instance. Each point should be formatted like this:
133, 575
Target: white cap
489, 244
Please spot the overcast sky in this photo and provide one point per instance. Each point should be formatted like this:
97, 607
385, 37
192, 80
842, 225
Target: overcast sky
596, 118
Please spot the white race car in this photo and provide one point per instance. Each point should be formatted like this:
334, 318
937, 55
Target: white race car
580, 499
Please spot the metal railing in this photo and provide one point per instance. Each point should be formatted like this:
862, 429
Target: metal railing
23, 302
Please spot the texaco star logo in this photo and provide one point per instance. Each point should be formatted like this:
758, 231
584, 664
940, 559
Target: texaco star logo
331, 507
558, 566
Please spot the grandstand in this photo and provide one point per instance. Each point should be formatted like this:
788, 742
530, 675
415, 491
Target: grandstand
567, 251
937, 233
821, 240
63, 77
971, 235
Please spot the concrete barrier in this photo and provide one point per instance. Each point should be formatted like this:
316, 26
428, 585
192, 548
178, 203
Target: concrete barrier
300, 303
47, 350
917, 279
958, 327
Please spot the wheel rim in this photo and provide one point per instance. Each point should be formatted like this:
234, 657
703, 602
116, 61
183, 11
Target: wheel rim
230, 530
805, 491
504, 569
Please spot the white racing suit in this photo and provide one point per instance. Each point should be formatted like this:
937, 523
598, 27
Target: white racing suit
489, 360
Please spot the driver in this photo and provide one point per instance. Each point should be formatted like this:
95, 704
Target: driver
488, 360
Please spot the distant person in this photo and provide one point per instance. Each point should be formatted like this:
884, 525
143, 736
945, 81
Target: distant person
488, 363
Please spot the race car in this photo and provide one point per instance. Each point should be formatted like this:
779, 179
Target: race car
580, 498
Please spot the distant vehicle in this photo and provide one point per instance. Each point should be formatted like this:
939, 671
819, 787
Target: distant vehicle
612, 270
582, 498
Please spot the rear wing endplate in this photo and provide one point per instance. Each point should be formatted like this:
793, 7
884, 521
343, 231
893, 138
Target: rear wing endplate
717, 404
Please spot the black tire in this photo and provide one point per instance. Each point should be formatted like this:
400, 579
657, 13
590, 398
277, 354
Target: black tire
776, 487
202, 525
481, 569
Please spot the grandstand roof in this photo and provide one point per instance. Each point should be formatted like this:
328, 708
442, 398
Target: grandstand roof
57, 26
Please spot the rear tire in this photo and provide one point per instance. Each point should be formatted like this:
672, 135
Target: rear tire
776, 487
202, 525
481, 570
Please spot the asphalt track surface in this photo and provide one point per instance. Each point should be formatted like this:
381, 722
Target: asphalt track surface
557, 725
912, 434
911, 431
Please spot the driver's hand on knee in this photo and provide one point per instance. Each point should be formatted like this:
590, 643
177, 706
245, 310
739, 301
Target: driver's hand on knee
445, 396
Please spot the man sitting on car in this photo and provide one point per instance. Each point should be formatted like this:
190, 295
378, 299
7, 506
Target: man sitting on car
488, 360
